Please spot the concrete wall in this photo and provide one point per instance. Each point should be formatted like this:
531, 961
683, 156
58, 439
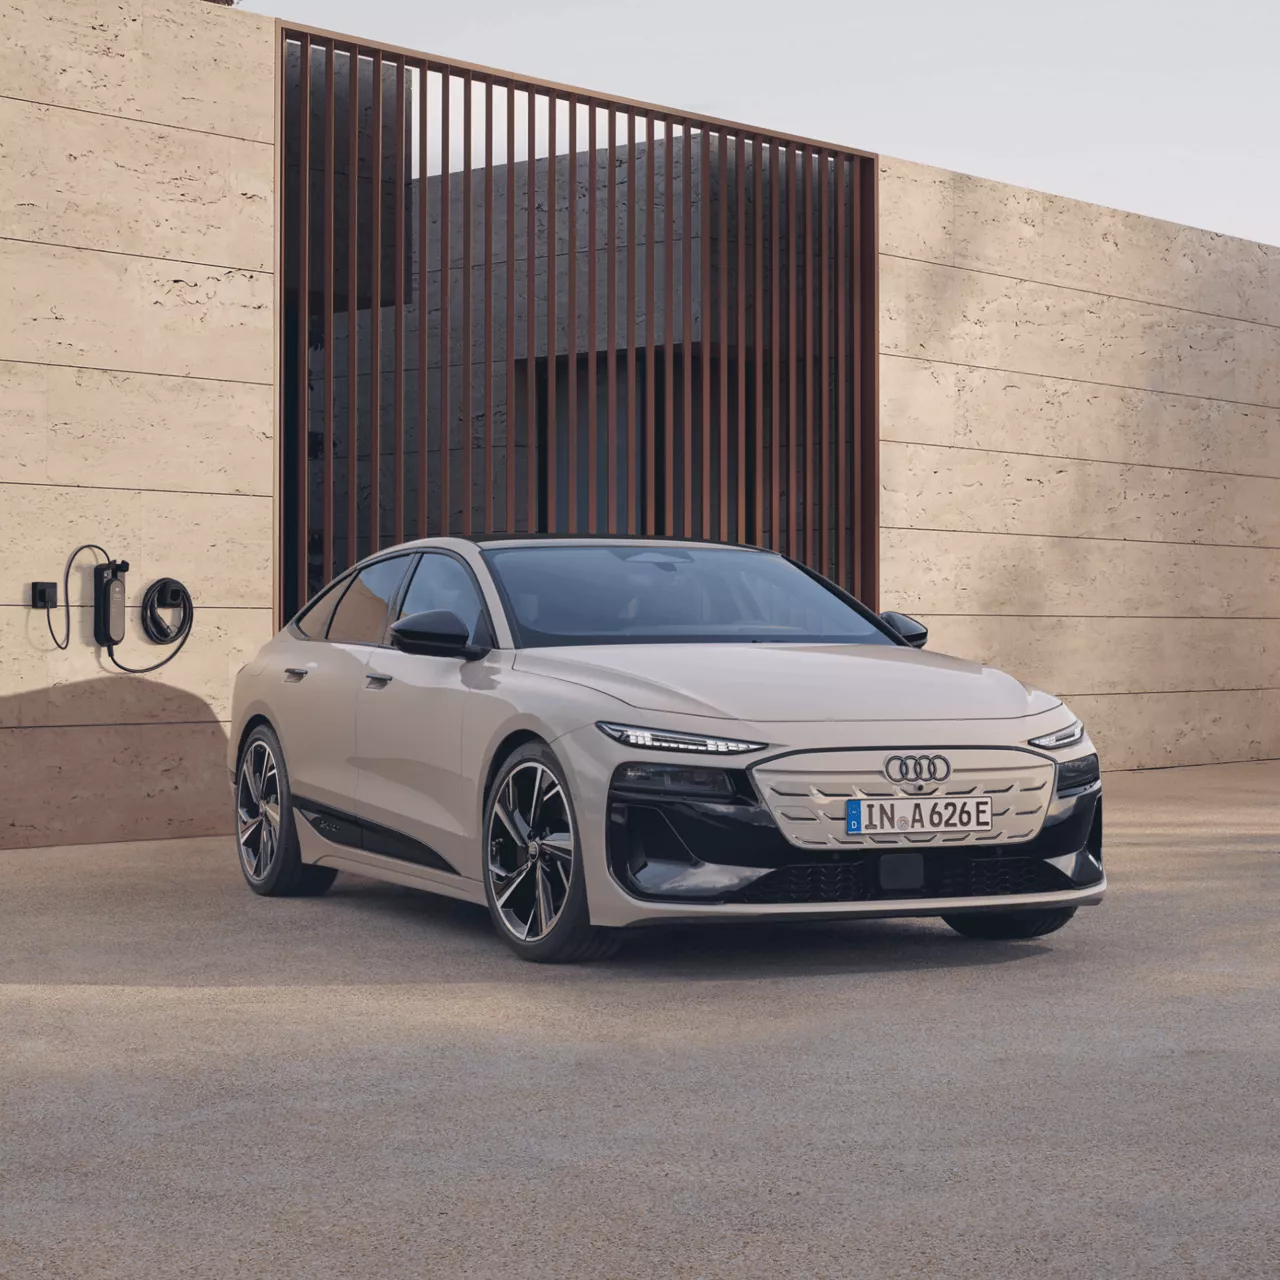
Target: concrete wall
1081, 457
136, 400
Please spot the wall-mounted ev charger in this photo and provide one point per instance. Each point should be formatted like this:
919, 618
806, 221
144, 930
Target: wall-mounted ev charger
110, 609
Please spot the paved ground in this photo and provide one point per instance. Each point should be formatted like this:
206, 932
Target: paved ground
200, 1083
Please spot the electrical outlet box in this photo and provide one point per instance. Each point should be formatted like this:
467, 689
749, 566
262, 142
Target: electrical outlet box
44, 595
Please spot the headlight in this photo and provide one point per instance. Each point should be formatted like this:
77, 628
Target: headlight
662, 740
1062, 738
674, 779
1075, 775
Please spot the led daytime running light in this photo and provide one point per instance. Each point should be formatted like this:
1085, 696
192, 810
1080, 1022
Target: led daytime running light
662, 740
1061, 738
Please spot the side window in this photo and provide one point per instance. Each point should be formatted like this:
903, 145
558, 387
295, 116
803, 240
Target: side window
314, 619
361, 616
440, 582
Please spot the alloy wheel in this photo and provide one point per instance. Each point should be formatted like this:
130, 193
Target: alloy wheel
258, 811
530, 851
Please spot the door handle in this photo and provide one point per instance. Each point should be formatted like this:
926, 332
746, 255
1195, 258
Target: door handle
293, 674
375, 681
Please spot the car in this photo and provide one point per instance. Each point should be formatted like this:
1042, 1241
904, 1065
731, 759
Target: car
596, 735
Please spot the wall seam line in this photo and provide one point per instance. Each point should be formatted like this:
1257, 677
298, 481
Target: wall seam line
1084, 537
1112, 617
140, 373
128, 253
111, 724
154, 124
1162, 693
129, 488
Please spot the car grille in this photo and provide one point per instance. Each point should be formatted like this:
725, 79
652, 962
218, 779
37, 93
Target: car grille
806, 795
946, 875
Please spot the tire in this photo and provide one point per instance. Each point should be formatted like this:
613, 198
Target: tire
533, 876
997, 925
266, 827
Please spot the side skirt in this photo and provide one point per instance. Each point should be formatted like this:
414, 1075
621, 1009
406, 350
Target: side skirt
358, 836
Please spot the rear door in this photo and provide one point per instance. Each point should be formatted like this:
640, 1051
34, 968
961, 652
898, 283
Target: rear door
409, 722
320, 678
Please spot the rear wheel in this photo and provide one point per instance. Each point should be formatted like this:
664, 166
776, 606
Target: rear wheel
1010, 924
533, 877
266, 829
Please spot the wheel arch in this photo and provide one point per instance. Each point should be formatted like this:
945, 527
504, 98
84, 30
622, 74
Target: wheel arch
250, 725
501, 754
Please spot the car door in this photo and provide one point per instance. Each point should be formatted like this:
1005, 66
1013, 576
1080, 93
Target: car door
322, 670
409, 721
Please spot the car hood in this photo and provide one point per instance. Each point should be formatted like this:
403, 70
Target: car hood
790, 683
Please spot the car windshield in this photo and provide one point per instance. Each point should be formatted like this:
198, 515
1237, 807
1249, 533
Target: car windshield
637, 593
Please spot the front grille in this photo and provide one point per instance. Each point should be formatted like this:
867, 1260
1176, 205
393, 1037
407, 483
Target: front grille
949, 875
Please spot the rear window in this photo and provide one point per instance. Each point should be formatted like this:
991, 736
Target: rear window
313, 621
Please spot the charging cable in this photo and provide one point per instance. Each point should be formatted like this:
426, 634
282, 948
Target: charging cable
65, 642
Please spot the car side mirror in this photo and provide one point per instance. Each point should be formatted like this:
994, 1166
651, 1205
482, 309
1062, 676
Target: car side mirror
913, 632
438, 633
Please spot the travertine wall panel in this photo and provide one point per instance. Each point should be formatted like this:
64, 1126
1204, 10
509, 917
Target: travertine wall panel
954, 218
927, 486
178, 62
137, 165
144, 315
134, 187
96, 428
1080, 425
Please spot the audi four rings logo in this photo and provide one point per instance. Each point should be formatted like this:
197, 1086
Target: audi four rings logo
917, 768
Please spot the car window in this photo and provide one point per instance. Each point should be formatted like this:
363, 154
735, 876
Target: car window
638, 593
440, 582
361, 615
313, 621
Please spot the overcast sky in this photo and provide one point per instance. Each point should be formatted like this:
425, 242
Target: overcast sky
1166, 107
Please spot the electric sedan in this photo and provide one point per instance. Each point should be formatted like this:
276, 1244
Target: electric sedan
591, 735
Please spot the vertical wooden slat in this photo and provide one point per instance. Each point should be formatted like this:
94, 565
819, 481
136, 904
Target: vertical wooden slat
446, 321
330, 99
810, 521
843, 479
509, 420
686, 346
611, 322
375, 318
468, 210
869, 493
650, 273
487, 357
571, 316
423, 310
722, 287
668, 329
793, 353
824, 433
631, 322
531, 306
302, 429
740, 303
758, 284
397, 262
855, 407
553, 413
777, 172
705, 344
353, 301
593, 514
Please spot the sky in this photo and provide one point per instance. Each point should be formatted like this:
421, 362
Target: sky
1167, 108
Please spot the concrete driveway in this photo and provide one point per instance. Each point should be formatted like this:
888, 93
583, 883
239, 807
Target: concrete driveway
200, 1083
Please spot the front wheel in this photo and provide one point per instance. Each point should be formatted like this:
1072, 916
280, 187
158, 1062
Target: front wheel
996, 925
533, 877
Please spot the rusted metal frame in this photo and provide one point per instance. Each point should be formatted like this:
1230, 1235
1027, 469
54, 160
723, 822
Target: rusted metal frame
330, 99
843, 479
467, 211
593, 515
740, 304
487, 365
668, 333
722, 288
446, 325
810, 472
650, 275
611, 325
793, 354
824, 433
686, 346
353, 301
571, 317
554, 86
868, 409
705, 344
398, 262
553, 415
531, 318
777, 170
423, 232
758, 283
375, 318
631, 322
510, 415
303, 427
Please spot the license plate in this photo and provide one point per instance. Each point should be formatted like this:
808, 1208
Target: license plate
952, 816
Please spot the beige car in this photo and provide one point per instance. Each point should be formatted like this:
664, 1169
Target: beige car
592, 735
